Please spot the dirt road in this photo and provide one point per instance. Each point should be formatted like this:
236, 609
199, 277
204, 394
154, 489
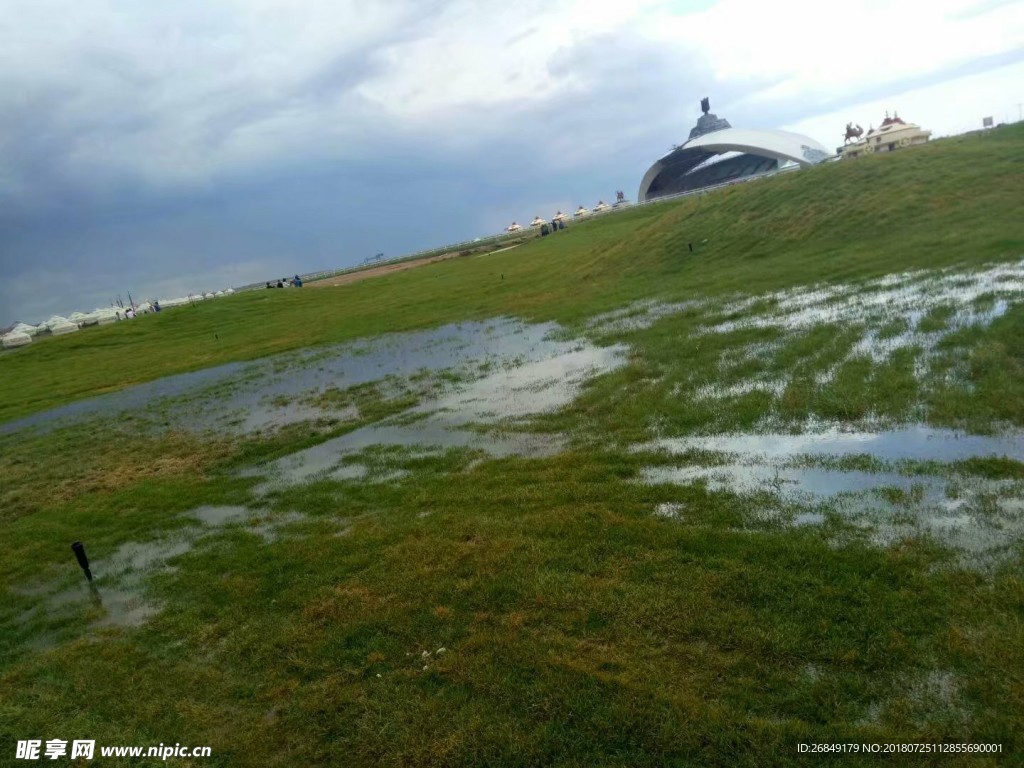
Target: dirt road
366, 274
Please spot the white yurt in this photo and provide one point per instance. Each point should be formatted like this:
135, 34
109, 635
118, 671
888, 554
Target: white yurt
207, 295
15, 339
59, 329
31, 330
56, 320
229, 291
105, 316
77, 318
143, 307
219, 293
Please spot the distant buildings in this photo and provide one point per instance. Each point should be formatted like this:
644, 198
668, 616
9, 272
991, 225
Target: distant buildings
894, 133
716, 153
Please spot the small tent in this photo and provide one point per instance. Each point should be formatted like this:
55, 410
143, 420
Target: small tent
56, 320
15, 339
59, 329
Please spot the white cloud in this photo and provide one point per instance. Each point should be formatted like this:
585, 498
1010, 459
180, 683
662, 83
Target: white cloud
480, 55
809, 48
946, 108
179, 93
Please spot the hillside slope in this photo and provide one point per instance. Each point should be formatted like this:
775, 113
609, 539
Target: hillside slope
955, 201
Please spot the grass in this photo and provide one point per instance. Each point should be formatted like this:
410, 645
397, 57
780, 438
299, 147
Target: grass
959, 204
579, 627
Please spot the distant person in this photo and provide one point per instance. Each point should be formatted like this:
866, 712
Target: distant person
130, 313
269, 285
561, 223
280, 284
156, 306
297, 282
544, 231
117, 315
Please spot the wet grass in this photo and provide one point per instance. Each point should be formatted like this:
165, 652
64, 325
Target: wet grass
578, 629
579, 626
831, 223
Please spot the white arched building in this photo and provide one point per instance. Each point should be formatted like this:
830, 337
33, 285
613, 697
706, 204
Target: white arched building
716, 153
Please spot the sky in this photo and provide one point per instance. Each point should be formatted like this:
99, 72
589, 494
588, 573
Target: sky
167, 148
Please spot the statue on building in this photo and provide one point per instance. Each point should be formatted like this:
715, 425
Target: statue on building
852, 132
707, 122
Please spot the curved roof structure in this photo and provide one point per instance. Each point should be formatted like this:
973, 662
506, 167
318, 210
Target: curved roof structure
717, 153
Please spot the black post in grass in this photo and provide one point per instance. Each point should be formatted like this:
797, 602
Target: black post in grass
83, 560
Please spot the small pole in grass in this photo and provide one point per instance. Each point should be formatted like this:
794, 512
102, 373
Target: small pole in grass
691, 247
83, 560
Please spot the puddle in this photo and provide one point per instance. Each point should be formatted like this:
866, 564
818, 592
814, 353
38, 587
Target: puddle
913, 311
117, 596
916, 442
773, 387
505, 397
982, 519
638, 316
131, 399
972, 299
807, 483
671, 510
116, 607
216, 516
134, 556
519, 365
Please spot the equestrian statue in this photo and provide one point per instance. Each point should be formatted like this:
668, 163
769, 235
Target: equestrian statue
852, 133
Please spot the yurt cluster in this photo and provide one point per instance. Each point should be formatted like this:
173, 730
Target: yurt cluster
23, 333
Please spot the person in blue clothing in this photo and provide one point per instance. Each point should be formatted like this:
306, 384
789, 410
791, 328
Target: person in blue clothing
297, 282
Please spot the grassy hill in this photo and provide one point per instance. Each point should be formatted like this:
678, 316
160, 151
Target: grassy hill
637, 597
955, 201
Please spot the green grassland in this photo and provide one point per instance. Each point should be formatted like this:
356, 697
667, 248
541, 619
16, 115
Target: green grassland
579, 628
953, 202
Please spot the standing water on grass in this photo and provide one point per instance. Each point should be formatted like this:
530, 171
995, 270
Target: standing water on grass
524, 370
472, 377
888, 485
891, 483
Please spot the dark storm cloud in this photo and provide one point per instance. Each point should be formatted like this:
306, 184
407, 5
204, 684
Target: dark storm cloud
188, 168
